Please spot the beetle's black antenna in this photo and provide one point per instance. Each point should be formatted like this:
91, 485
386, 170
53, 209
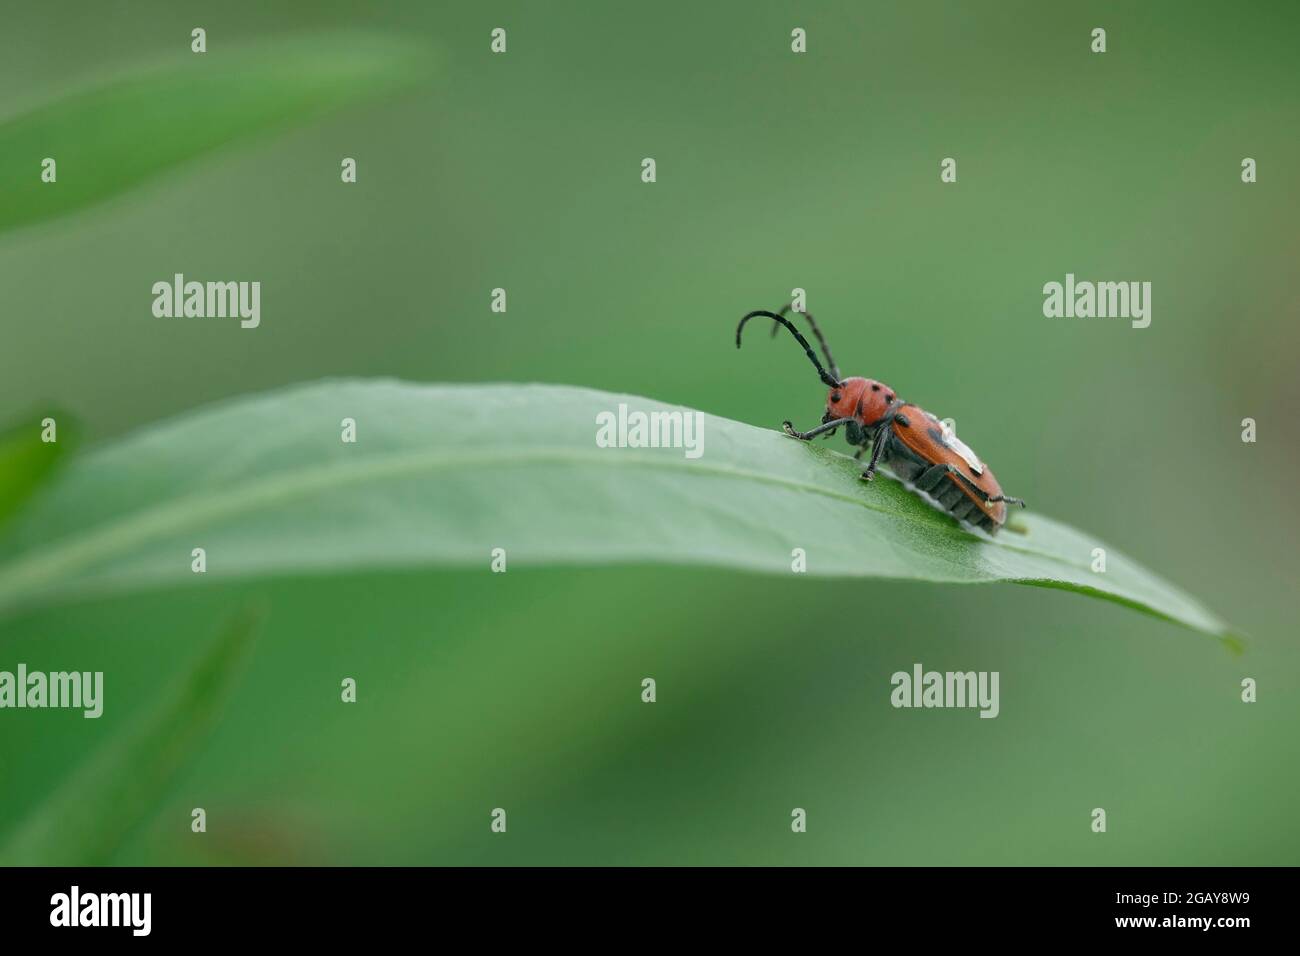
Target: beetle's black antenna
812, 356
826, 349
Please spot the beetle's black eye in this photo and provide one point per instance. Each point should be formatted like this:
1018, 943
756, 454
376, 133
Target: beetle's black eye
889, 398
835, 396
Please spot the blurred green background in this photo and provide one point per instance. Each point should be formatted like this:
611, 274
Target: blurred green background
775, 170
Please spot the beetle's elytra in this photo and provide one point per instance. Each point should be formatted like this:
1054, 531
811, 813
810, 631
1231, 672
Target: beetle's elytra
918, 447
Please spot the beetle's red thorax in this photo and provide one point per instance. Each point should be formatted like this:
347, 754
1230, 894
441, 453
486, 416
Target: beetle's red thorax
862, 398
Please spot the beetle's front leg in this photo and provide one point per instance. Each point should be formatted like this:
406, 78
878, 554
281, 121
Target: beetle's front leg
877, 447
820, 429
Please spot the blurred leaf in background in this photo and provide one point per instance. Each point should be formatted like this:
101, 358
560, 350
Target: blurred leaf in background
85, 821
189, 107
29, 453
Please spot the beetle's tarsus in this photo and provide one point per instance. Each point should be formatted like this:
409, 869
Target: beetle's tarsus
869, 475
1010, 501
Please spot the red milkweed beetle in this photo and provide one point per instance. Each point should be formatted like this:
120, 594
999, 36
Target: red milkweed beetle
919, 448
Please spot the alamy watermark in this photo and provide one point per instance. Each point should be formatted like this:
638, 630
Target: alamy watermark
208, 300
76, 908
76, 690
922, 688
1103, 300
637, 429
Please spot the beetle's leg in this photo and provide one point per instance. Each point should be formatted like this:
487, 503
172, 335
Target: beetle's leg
989, 499
980, 492
930, 479
820, 429
877, 446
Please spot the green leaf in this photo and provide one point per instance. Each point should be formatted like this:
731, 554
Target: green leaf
114, 136
26, 461
442, 475
87, 817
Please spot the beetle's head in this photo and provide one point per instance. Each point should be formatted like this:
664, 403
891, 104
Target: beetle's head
862, 398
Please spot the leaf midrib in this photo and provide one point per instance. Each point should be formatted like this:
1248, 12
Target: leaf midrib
26, 574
